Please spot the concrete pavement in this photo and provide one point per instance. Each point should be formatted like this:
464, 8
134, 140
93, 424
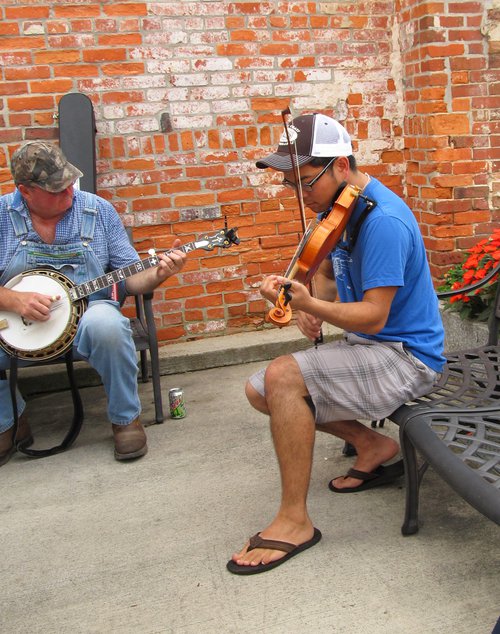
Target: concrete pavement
92, 545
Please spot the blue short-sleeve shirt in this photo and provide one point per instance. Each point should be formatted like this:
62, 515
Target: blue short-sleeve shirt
390, 251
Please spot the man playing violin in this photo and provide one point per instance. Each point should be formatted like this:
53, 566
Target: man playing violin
376, 286
48, 223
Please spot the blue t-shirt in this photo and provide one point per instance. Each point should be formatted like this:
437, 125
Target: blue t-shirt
390, 251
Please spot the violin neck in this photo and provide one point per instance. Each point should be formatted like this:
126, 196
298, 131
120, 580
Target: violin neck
292, 268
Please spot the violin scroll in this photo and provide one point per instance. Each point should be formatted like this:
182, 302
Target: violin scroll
281, 313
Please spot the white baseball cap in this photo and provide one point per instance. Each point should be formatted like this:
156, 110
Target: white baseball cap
312, 136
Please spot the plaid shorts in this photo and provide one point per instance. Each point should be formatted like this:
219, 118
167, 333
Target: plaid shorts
358, 378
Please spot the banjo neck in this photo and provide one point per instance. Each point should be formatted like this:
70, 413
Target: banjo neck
80, 291
44, 340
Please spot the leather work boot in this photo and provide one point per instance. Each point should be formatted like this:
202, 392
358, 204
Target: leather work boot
130, 440
7, 447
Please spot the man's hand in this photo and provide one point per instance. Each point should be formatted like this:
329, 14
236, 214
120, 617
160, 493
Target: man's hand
34, 306
270, 287
300, 296
309, 325
170, 263
300, 301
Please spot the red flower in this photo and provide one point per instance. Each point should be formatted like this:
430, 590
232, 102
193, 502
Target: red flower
479, 261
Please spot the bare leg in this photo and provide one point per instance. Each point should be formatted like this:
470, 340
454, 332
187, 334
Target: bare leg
373, 449
256, 400
292, 428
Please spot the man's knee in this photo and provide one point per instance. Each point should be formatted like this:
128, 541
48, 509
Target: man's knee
103, 324
284, 373
256, 400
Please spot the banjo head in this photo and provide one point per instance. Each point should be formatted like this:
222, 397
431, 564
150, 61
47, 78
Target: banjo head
42, 340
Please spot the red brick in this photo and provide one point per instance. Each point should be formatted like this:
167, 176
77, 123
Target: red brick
470, 218
51, 86
73, 10
452, 231
27, 12
448, 124
104, 55
30, 103
120, 39
465, 7
120, 9
76, 70
452, 181
21, 43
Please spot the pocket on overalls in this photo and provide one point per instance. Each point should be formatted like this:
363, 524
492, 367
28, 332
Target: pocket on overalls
68, 270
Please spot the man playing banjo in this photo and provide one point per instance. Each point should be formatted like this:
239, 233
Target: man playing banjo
48, 224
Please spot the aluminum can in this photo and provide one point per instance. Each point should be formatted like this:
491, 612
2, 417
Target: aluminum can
176, 403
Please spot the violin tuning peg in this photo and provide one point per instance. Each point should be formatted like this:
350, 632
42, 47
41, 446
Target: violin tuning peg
286, 292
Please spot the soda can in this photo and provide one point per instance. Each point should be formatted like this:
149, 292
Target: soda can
176, 402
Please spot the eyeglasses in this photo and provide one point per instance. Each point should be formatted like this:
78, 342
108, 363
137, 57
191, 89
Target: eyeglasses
308, 186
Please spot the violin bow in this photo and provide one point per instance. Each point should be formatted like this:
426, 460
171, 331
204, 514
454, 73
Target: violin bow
292, 149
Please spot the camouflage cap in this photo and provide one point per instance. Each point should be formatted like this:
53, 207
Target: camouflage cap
43, 164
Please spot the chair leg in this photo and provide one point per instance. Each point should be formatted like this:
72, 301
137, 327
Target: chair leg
155, 375
144, 366
412, 481
349, 450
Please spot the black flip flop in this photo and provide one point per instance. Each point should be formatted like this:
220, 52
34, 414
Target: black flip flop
379, 477
258, 542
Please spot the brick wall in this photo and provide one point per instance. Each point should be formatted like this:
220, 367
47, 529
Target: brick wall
188, 94
450, 61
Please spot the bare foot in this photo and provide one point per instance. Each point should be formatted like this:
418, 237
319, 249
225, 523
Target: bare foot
279, 531
381, 450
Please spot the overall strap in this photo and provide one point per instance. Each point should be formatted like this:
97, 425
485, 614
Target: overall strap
89, 216
18, 221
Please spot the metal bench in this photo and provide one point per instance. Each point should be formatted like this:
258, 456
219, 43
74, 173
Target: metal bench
456, 427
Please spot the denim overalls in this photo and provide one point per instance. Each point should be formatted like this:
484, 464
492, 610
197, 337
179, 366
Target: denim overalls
103, 337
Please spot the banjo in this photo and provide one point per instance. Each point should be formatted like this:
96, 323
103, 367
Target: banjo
45, 340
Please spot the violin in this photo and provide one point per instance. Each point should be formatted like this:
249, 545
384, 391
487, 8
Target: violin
318, 240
